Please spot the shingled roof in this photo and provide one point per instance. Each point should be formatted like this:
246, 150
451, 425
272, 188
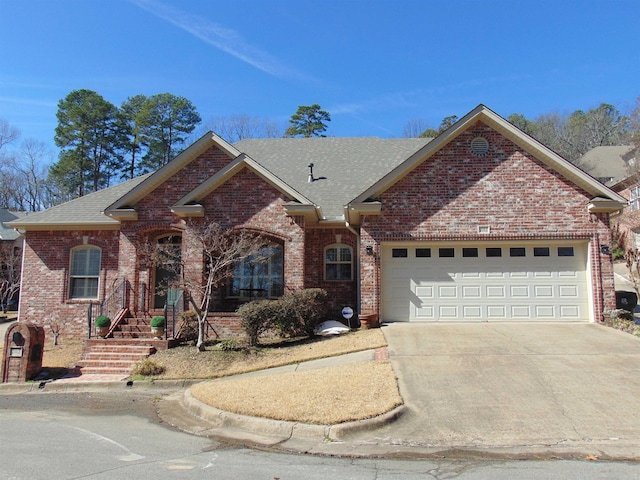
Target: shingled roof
6, 215
342, 167
83, 212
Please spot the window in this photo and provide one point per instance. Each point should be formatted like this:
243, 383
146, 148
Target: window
85, 271
338, 263
565, 251
540, 251
260, 279
446, 252
634, 199
469, 252
423, 252
517, 252
494, 252
399, 253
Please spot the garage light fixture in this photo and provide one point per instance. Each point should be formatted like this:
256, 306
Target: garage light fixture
369, 249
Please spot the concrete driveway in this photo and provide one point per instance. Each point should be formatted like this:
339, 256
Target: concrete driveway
517, 387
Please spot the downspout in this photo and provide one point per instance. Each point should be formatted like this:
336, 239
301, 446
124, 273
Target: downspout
358, 292
24, 245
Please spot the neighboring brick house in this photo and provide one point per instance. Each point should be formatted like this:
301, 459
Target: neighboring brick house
618, 168
481, 223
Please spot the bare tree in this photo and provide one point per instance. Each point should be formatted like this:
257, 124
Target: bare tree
10, 264
414, 128
208, 255
240, 126
8, 133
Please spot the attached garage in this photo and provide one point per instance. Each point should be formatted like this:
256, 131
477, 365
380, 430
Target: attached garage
493, 281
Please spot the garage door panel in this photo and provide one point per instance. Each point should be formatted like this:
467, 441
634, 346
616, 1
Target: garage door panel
473, 312
449, 312
482, 288
472, 291
425, 292
519, 291
470, 274
447, 291
543, 291
570, 311
568, 291
496, 291
497, 311
518, 274
545, 312
543, 274
521, 312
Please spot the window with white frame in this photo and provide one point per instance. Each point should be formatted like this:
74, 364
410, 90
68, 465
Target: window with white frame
634, 199
338, 263
85, 272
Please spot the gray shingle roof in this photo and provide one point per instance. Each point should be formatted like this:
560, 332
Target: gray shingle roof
605, 163
80, 211
9, 233
343, 167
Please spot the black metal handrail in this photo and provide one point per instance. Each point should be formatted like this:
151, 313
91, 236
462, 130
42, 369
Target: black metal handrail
115, 301
173, 309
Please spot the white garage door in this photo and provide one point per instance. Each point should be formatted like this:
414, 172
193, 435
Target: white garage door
482, 282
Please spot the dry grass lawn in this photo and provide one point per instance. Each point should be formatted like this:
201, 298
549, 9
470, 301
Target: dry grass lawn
327, 396
187, 362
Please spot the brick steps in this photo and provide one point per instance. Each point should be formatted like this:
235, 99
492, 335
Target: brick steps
112, 358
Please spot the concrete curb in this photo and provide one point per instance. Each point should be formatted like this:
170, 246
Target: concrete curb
74, 387
278, 431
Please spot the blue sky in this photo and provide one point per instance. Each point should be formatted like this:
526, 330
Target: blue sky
373, 64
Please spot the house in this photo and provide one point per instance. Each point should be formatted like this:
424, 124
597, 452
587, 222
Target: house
482, 223
617, 168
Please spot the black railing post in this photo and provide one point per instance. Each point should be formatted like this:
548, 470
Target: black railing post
89, 312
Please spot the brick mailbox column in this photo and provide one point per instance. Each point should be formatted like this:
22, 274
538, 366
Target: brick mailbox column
23, 349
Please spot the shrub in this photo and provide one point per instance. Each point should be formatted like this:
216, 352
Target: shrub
294, 314
230, 345
103, 321
147, 368
257, 318
188, 327
157, 322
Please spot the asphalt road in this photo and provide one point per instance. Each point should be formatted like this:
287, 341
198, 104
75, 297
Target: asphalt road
118, 435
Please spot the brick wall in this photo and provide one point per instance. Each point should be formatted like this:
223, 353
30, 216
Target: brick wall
245, 201
454, 192
45, 281
341, 293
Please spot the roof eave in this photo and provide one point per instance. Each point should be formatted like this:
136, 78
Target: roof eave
122, 214
311, 213
186, 211
353, 212
40, 227
605, 205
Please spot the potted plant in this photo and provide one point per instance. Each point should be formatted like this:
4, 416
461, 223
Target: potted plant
368, 320
157, 326
102, 325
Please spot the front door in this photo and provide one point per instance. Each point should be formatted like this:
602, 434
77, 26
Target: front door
166, 274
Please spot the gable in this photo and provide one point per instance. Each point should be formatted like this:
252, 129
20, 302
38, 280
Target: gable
460, 136
505, 190
190, 168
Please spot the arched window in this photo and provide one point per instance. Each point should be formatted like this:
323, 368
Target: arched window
338, 263
260, 279
85, 272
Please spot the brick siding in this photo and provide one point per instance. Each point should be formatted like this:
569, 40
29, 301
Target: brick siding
454, 192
